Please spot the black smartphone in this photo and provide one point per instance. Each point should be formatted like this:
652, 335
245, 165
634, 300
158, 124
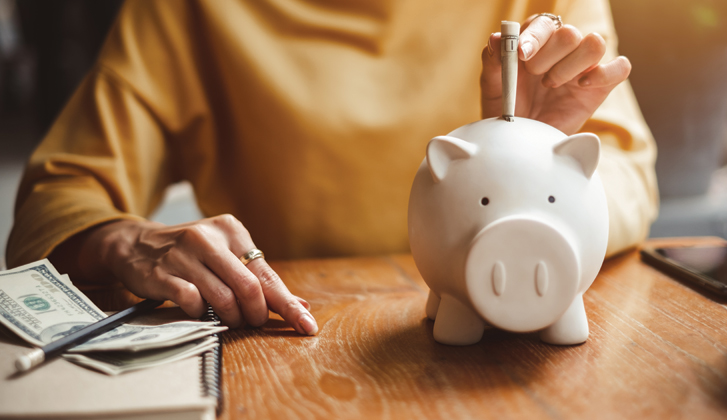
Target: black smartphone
705, 266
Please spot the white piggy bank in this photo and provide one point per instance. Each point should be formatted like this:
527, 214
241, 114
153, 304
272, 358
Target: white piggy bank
508, 225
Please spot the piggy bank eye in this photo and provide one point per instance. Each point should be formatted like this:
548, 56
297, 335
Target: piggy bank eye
551, 199
485, 201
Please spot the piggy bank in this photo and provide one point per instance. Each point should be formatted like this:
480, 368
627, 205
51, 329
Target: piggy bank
508, 225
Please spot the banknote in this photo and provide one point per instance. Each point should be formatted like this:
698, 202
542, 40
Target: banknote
118, 362
144, 337
37, 305
40, 305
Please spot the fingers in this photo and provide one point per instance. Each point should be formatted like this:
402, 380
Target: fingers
555, 55
609, 74
561, 54
559, 69
256, 286
535, 35
208, 280
241, 289
586, 56
563, 42
490, 79
198, 262
187, 296
162, 285
281, 301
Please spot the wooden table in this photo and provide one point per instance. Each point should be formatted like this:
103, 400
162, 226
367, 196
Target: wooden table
657, 349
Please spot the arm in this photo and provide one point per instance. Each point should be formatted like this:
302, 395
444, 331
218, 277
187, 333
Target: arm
103, 168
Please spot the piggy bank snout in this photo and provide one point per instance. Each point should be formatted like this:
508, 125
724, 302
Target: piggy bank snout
521, 274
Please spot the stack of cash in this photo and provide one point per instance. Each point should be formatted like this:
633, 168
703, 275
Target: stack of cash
41, 305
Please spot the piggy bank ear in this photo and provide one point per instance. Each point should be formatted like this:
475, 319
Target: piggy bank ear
443, 150
585, 148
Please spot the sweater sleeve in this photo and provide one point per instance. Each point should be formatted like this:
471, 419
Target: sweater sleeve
103, 159
107, 156
628, 148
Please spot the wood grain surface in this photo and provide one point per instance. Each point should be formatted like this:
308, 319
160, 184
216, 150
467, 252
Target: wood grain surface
657, 349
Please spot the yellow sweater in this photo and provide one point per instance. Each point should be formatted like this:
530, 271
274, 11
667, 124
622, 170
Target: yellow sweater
307, 121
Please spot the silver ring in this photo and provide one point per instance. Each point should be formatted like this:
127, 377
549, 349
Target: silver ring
558, 21
251, 255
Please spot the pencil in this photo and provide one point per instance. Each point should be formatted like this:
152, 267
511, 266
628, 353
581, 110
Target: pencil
39, 355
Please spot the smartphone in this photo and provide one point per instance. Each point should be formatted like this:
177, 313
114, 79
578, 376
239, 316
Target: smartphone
705, 266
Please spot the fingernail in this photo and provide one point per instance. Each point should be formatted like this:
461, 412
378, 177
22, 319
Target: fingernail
489, 46
308, 324
527, 49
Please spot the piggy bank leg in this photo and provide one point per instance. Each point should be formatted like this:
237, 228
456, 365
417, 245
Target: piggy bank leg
432, 305
457, 324
571, 328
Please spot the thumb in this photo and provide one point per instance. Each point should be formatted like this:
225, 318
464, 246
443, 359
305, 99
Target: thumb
491, 78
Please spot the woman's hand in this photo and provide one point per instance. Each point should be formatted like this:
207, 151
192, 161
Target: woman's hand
191, 264
560, 80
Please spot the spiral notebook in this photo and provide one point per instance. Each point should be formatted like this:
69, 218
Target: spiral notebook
211, 365
186, 389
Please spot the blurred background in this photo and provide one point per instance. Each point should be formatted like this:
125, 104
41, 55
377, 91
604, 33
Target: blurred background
46, 47
678, 50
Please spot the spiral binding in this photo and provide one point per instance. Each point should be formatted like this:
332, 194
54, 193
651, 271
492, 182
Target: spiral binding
211, 369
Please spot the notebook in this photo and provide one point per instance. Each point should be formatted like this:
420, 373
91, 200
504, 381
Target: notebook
59, 389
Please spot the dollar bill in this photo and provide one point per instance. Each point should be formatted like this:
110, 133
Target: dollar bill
40, 305
144, 337
118, 362
37, 305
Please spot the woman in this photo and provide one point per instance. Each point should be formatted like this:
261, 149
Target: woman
301, 125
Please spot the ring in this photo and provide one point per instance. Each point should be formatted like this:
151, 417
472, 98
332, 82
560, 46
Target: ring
558, 21
251, 255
